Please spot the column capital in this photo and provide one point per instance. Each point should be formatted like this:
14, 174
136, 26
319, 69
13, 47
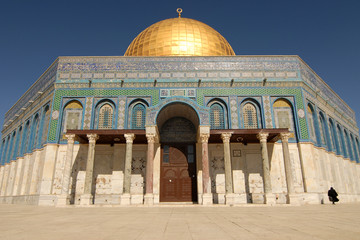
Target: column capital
226, 137
150, 137
92, 137
70, 137
285, 136
204, 137
129, 137
262, 136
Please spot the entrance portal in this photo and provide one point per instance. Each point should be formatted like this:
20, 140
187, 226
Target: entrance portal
178, 161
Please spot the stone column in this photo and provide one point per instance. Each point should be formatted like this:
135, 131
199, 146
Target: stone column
64, 198
87, 198
207, 196
125, 198
229, 196
149, 196
269, 197
288, 168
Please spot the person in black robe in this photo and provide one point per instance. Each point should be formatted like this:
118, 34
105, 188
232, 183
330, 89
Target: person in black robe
333, 195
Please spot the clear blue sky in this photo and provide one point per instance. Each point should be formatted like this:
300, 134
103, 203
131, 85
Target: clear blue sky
324, 33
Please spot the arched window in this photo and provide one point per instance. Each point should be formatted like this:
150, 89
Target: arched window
284, 116
138, 115
105, 116
353, 144
6, 150
17, 143
323, 130
72, 116
33, 133
250, 116
348, 145
342, 142
2, 151
311, 122
334, 137
45, 125
11, 147
217, 120
24, 138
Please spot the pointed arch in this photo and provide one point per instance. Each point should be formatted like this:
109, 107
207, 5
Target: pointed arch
353, 145
348, 145
311, 122
45, 125
218, 113
342, 141
33, 133
357, 149
104, 117
24, 139
284, 117
17, 143
138, 115
72, 116
323, 132
334, 137
6, 149
250, 114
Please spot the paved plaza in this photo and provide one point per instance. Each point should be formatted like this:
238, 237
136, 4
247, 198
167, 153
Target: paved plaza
339, 221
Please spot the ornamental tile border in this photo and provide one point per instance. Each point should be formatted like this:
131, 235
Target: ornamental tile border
88, 111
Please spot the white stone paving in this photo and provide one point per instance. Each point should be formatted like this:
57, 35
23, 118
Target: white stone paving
339, 221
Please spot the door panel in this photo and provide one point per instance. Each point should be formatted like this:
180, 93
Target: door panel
178, 173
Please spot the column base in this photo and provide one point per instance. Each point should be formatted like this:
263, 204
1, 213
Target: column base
207, 199
293, 199
257, 198
125, 199
115, 199
230, 199
86, 199
62, 200
149, 199
270, 199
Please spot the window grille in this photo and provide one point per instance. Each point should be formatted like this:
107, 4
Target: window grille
250, 116
138, 117
105, 117
217, 120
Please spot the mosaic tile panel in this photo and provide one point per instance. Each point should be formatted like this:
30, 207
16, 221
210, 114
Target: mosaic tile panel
121, 113
201, 93
154, 93
234, 113
267, 112
88, 111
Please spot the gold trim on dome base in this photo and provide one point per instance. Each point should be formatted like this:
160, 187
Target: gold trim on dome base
179, 37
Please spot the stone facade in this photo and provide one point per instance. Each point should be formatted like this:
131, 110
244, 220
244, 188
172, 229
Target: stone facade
42, 165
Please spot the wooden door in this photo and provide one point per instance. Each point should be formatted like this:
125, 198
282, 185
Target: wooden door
178, 173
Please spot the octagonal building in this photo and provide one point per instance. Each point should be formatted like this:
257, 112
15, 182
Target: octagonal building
179, 118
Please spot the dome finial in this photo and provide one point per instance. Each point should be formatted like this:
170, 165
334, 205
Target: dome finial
179, 11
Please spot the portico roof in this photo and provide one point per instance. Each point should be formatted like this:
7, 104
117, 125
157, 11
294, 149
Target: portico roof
111, 136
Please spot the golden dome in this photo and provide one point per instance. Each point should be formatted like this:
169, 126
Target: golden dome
179, 37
